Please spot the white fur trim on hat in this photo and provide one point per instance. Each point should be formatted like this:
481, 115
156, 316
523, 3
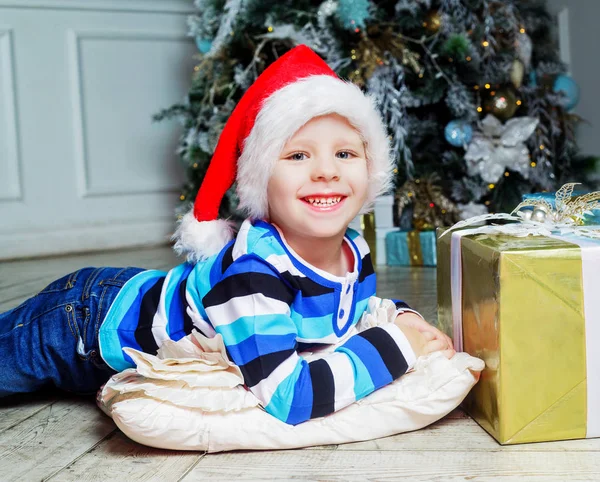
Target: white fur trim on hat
286, 111
200, 240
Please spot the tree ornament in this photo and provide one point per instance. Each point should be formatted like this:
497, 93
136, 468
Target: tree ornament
539, 214
565, 210
502, 103
431, 208
412, 59
526, 213
353, 13
517, 72
432, 21
499, 147
204, 45
568, 87
370, 54
458, 133
533, 81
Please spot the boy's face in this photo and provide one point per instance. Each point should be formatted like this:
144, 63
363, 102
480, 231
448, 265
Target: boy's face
320, 182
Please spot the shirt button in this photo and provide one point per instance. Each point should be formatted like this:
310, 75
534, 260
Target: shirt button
341, 313
347, 289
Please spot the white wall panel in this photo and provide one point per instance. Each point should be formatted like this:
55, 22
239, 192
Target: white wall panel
10, 180
80, 158
112, 158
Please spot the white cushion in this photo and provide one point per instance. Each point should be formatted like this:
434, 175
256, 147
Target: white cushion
190, 397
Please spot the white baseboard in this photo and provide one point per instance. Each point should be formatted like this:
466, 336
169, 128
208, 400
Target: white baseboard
25, 244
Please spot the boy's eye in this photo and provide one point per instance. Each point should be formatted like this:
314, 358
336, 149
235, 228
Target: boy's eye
297, 156
344, 154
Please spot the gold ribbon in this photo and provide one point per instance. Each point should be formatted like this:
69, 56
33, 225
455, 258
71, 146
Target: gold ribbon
415, 253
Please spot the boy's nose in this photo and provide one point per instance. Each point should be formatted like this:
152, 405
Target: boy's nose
325, 169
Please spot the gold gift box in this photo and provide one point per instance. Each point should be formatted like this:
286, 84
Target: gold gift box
523, 314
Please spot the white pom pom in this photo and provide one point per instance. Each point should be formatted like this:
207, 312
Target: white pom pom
199, 240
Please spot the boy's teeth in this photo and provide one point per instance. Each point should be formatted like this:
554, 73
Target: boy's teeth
324, 201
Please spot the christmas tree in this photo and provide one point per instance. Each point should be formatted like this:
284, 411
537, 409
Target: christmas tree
475, 97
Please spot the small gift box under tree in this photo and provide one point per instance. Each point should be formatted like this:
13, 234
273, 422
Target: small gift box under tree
421, 208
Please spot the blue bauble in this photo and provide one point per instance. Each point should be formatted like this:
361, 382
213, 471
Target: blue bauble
458, 133
203, 44
533, 78
569, 88
353, 13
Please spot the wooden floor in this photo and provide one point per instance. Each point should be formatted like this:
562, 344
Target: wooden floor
61, 438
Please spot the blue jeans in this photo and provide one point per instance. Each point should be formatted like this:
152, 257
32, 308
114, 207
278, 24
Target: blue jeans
52, 338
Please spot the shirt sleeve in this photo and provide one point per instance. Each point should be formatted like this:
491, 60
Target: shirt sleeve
251, 308
402, 307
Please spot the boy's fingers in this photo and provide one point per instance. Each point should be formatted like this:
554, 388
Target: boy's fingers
440, 335
436, 331
430, 331
449, 353
445, 338
435, 345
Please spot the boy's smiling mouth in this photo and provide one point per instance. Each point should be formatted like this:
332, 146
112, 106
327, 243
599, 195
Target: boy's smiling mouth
324, 202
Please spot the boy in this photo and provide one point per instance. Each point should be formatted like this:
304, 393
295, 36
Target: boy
308, 152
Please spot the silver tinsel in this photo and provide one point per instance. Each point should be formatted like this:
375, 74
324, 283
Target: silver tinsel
324, 42
231, 11
389, 89
241, 78
204, 142
327, 9
462, 17
499, 147
288, 31
524, 49
540, 107
407, 7
206, 23
471, 209
459, 100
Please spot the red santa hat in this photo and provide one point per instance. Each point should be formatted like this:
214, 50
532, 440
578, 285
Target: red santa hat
291, 91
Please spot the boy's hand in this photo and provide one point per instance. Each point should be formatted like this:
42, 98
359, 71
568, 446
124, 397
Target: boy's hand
423, 337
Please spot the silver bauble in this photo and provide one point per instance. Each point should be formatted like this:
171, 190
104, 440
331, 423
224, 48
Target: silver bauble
526, 213
539, 214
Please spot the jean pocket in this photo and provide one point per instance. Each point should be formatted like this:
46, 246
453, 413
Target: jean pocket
118, 276
65, 283
78, 318
113, 282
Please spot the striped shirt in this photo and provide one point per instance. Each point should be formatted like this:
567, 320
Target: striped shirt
268, 305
